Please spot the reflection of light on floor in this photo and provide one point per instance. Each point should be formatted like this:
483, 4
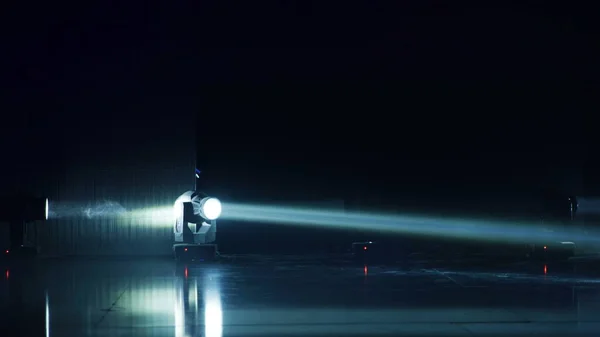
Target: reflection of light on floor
153, 298
47, 316
188, 304
522, 277
178, 313
193, 296
213, 314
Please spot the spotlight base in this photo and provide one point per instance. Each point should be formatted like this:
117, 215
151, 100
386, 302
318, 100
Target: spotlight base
186, 252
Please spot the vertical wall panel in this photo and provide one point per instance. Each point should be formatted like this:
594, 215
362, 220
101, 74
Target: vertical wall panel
138, 165
111, 235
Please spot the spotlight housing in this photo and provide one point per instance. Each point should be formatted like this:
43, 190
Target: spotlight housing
195, 225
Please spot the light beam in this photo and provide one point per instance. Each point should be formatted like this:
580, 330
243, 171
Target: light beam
477, 229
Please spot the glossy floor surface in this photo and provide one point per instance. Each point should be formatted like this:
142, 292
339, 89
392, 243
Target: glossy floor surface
296, 296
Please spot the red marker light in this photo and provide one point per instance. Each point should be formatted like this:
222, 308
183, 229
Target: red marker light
185, 249
545, 269
365, 248
366, 270
545, 247
186, 272
7, 251
7, 273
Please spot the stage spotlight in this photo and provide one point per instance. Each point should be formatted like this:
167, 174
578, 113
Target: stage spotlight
195, 225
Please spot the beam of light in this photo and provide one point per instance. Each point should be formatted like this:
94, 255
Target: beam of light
477, 229
161, 216
467, 228
156, 214
108, 208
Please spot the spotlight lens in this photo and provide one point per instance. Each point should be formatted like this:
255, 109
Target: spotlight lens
211, 208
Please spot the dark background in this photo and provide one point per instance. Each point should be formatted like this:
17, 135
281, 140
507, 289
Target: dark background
388, 99
421, 102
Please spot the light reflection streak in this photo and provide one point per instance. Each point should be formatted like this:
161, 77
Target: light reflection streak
190, 303
47, 321
213, 312
178, 312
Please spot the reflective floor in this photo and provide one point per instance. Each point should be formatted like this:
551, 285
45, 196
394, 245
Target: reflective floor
268, 296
